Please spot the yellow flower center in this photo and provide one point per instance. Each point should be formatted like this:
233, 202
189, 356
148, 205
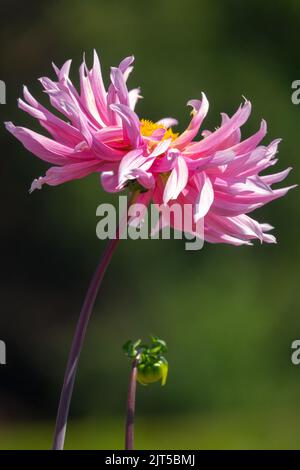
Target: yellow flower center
148, 127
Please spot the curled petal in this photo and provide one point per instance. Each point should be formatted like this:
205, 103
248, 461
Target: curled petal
200, 109
134, 95
131, 124
177, 180
60, 130
142, 201
168, 122
146, 179
205, 196
117, 79
87, 96
277, 177
250, 144
215, 139
47, 149
61, 174
110, 181
242, 227
132, 160
98, 88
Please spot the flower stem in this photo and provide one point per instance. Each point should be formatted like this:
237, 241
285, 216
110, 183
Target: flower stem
129, 429
78, 339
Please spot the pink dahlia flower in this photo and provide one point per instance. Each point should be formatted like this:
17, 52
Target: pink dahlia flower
219, 175
99, 128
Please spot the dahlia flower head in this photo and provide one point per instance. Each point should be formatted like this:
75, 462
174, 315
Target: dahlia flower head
218, 174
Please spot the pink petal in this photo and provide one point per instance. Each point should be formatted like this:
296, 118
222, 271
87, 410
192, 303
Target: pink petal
249, 144
145, 178
277, 177
131, 124
215, 140
200, 109
143, 200
110, 181
98, 88
87, 96
47, 149
134, 95
59, 129
118, 82
130, 162
168, 122
205, 196
177, 180
61, 174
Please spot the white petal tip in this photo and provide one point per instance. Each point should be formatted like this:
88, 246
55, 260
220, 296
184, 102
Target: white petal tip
36, 184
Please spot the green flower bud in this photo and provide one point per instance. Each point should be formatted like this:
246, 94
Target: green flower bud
151, 364
152, 371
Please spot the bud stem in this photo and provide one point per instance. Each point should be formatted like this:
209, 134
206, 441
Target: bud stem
129, 429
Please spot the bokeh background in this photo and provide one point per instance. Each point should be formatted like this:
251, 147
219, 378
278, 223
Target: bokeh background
228, 314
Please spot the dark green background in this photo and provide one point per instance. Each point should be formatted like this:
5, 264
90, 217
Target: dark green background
229, 314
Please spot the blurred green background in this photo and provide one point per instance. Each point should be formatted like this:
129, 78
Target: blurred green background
228, 314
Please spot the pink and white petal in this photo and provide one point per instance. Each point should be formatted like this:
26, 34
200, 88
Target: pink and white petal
268, 238
99, 149
47, 149
157, 135
230, 208
64, 98
259, 166
110, 181
177, 180
216, 160
228, 205
61, 174
151, 159
112, 96
126, 66
64, 71
104, 151
112, 135
62, 131
232, 139
98, 88
117, 79
131, 124
236, 186
241, 226
131, 161
251, 143
205, 195
254, 197
272, 148
145, 178
276, 177
134, 95
215, 234
141, 203
246, 162
215, 139
162, 165
168, 122
200, 109
87, 95
222, 157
